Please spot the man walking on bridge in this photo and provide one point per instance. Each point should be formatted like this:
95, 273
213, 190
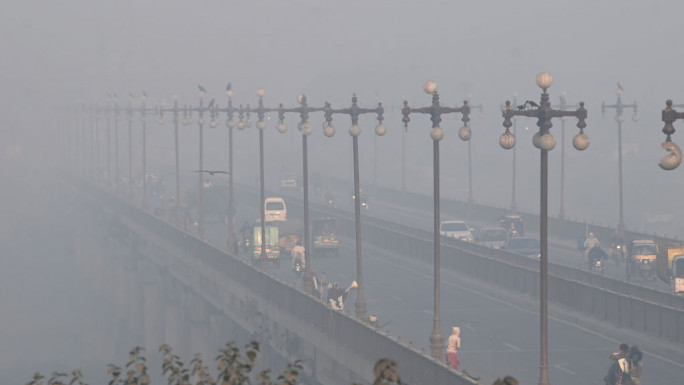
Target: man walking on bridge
453, 344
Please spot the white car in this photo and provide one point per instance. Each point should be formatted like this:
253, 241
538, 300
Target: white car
275, 209
456, 229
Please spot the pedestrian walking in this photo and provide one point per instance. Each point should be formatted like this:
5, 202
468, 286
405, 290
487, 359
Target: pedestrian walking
453, 344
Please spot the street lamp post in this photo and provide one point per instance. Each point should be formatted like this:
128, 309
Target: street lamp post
619, 108
160, 119
230, 124
95, 143
117, 178
436, 110
108, 116
200, 181
545, 142
92, 130
129, 110
306, 129
261, 126
143, 120
355, 130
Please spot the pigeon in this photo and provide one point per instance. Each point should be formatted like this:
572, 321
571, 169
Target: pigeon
521, 107
619, 87
145, 94
229, 87
212, 172
531, 103
211, 103
202, 89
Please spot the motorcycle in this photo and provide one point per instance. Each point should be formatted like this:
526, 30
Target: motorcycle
597, 266
330, 198
298, 268
618, 252
246, 242
596, 258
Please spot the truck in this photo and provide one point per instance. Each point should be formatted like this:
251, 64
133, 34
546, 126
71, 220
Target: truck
272, 248
325, 239
642, 259
671, 268
289, 233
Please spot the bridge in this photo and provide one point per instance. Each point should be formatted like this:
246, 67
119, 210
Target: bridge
195, 295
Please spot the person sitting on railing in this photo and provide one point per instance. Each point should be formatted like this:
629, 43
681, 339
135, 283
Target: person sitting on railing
337, 295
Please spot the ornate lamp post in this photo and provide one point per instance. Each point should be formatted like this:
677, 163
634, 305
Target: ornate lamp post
355, 130
160, 119
436, 110
261, 125
674, 156
95, 141
108, 116
143, 120
306, 129
545, 142
619, 108
230, 123
117, 177
129, 111
200, 182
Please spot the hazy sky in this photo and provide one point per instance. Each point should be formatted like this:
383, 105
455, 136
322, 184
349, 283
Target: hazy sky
61, 53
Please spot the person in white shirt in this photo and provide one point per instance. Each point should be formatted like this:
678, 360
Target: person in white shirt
297, 253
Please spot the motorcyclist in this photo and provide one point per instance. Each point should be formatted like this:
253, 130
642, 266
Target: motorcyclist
596, 253
617, 241
589, 244
246, 233
330, 198
620, 356
298, 254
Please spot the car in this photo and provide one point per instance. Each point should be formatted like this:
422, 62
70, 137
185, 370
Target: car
524, 245
288, 180
275, 209
495, 237
456, 229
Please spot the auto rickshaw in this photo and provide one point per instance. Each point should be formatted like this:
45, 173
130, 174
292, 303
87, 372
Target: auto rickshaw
325, 236
513, 225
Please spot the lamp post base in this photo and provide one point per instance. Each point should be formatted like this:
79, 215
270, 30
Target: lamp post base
361, 307
436, 344
544, 375
307, 282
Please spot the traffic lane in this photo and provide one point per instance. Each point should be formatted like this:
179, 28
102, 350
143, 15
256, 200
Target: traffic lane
404, 298
559, 251
499, 330
492, 332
